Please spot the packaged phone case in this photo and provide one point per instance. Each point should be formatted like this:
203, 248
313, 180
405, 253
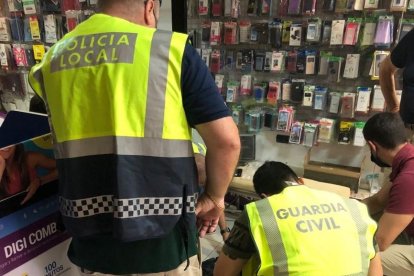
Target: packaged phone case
308, 91
378, 101
216, 8
246, 85
295, 136
320, 94
363, 99
347, 105
301, 62
203, 7
309, 7
310, 134
273, 93
310, 62
326, 130
291, 61
285, 119
259, 91
278, 61
313, 32
384, 33
232, 92
286, 90
230, 33
334, 101
275, 34
345, 132
259, 61
215, 61
359, 139
297, 90
294, 7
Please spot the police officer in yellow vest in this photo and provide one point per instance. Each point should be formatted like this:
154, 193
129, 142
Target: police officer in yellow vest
295, 230
121, 98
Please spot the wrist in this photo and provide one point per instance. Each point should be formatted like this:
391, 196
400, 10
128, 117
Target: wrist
218, 202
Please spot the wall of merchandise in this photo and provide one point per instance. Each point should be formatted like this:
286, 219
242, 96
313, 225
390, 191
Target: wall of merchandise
306, 69
27, 29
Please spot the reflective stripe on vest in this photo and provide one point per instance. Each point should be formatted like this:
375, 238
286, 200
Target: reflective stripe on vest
145, 146
296, 234
126, 208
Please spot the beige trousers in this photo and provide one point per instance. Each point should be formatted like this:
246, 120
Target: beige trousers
398, 260
194, 269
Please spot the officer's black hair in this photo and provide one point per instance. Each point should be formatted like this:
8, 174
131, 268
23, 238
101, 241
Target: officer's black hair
271, 178
387, 129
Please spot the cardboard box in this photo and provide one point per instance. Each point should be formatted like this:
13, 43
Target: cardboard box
342, 175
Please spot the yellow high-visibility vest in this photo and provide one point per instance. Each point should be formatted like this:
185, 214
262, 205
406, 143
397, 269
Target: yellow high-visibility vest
123, 145
302, 231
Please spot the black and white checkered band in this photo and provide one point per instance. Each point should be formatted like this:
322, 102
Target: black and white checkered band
126, 208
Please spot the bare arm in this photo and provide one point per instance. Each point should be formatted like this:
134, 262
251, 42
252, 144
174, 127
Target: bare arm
223, 147
35, 160
377, 202
390, 226
375, 268
201, 168
225, 266
223, 143
2, 166
387, 83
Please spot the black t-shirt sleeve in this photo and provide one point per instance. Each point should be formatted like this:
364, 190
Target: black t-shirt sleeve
240, 244
399, 56
201, 99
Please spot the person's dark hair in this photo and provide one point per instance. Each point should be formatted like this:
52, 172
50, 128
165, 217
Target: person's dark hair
19, 159
387, 129
271, 178
37, 105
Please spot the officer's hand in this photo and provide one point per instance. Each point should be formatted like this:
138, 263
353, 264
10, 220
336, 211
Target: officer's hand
207, 215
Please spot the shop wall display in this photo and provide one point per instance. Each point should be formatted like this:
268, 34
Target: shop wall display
306, 69
27, 29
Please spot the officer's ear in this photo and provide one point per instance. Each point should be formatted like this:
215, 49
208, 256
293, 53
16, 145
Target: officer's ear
263, 195
300, 181
149, 13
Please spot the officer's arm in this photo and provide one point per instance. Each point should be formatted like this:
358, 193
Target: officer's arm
375, 268
201, 168
223, 143
377, 202
390, 226
225, 266
387, 83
